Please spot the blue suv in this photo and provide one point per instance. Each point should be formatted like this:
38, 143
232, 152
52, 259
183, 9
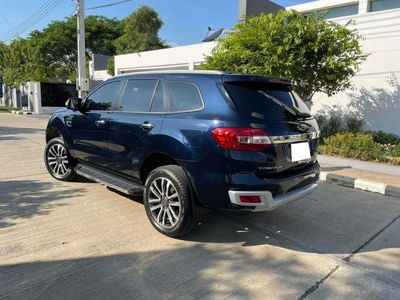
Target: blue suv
189, 139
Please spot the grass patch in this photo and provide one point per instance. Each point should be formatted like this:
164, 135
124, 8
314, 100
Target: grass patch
4, 109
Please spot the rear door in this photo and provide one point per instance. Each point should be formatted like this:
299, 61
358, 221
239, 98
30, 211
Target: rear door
275, 108
90, 131
138, 119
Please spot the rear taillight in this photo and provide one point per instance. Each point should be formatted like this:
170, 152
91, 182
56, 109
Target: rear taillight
250, 139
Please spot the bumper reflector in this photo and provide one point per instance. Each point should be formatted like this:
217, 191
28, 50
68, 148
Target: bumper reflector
250, 198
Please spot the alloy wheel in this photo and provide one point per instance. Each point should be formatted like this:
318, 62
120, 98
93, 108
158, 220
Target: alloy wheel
57, 160
164, 202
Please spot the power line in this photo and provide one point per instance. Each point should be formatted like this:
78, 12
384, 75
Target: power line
11, 31
5, 19
34, 19
107, 5
42, 12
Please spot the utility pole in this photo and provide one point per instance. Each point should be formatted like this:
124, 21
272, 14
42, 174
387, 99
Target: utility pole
83, 82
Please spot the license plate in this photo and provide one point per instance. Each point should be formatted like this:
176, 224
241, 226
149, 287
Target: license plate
300, 151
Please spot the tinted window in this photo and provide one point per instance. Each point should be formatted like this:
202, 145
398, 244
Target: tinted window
336, 12
158, 101
183, 96
378, 5
137, 95
268, 102
104, 97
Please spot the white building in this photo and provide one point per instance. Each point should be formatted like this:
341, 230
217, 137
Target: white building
376, 94
178, 58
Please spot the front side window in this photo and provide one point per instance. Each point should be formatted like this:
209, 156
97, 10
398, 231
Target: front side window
183, 96
137, 95
104, 97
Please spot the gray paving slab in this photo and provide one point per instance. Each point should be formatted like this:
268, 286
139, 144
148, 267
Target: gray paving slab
334, 220
382, 255
63, 240
349, 283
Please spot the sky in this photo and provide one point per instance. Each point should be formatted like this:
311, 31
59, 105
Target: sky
185, 21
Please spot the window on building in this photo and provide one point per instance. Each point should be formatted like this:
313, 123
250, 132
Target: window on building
336, 12
104, 97
137, 95
183, 96
378, 5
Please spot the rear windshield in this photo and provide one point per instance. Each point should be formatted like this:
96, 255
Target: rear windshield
266, 101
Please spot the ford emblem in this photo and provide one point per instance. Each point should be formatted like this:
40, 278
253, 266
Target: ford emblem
302, 127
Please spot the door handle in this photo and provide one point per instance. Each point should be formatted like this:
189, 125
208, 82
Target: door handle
100, 122
147, 125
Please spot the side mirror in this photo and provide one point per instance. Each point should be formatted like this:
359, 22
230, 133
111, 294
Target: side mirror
74, 103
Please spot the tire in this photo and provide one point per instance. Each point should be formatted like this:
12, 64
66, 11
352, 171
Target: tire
58, 161
168, 201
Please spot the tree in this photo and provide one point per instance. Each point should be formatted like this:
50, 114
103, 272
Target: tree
111, 66
101, 33
21, 62
140, 32
57, 43
317, 55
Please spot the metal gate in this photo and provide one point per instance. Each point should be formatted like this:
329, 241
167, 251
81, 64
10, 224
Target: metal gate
56, 94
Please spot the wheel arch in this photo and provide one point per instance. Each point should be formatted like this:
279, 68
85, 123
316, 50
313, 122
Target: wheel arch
156, 160
51, 133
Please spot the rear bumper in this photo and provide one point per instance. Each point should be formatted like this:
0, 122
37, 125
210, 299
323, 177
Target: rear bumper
212, 182
268, 202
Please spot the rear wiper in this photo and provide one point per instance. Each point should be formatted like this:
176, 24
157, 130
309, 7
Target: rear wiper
294, 111
280, 103
303, 115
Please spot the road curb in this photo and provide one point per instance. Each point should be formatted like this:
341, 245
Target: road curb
361, 184
21, 112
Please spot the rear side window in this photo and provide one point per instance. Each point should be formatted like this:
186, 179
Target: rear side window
104, 97
266, 101
137, 95
183, 96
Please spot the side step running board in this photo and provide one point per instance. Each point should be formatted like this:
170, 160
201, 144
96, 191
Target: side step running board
112, 181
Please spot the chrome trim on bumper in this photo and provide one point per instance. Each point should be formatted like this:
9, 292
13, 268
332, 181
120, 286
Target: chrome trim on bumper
268, 202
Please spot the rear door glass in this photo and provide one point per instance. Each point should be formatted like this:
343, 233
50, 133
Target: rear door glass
266, 101
137, 95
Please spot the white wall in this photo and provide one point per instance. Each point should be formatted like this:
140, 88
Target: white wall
100, 75
376, 95
177, 58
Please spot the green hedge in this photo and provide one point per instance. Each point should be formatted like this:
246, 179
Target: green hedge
352, 145
360, 146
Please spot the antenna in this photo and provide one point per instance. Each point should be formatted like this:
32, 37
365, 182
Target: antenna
212, 34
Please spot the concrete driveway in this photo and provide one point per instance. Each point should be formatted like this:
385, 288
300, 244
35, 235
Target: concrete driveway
80, 240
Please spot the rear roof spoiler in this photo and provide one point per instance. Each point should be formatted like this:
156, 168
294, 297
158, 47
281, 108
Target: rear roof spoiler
226, 78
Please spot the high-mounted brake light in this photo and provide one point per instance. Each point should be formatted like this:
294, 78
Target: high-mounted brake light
250, 139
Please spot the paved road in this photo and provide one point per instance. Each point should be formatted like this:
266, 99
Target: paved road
80, 240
